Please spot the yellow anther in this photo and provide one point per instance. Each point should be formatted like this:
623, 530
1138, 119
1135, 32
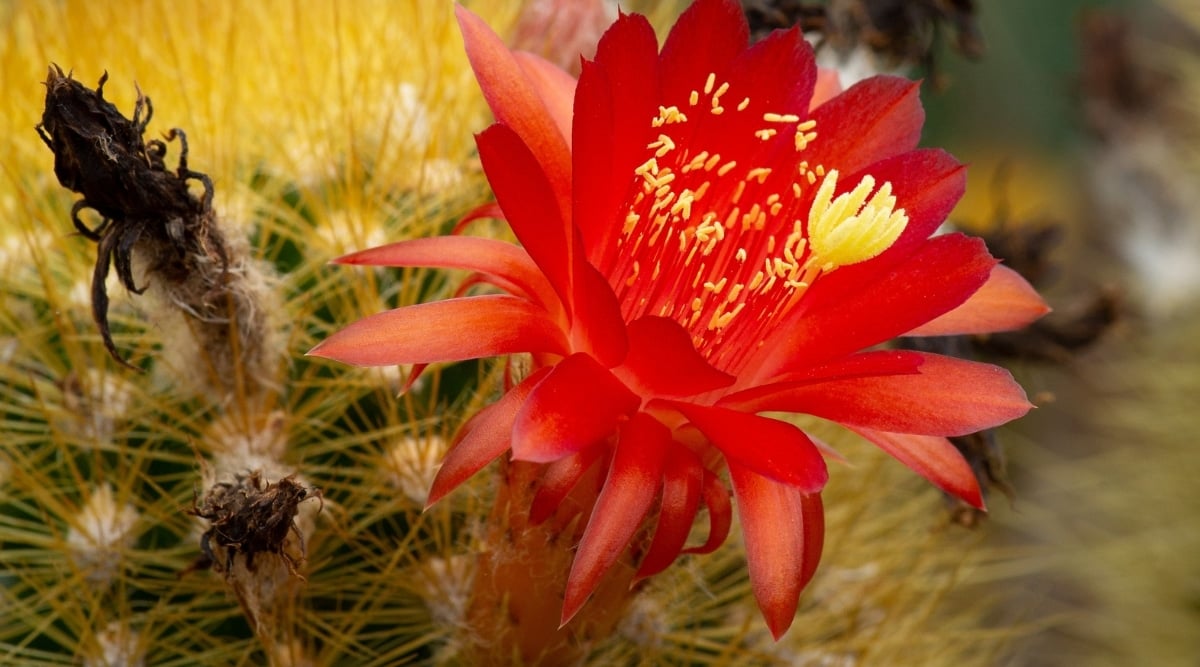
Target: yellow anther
708, 84
743, 104
765, 134
784, 118
851, 228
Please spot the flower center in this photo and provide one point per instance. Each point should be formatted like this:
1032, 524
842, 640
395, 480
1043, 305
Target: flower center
723, 232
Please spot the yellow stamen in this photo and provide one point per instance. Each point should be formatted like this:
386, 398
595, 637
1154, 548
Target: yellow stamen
852, 228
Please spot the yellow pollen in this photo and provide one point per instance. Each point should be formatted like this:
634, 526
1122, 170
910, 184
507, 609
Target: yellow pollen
697, 162
708, 84
667, 116
694, 98
855, 226
712, 162
812, 178
637, 268
765, 134
743, 104
631, 221
776, 208
784, 118
664, 146
756, 281
700, 191
740, 255
759, 173
726, 168
720, 91
734, 292
717, 111
820, 170
796, 190
806, 125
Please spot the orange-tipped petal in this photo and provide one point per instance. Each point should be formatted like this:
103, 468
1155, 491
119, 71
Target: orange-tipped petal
516, 101
451, 330
946, 397
629, 491
784, 530
505, 264
554, 86
1006, 302
828, 86
482, 439
578, 404
767, 446
936, 459
877, 118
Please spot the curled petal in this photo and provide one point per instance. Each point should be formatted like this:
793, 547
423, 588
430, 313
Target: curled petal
766, 446
559, 478
1006, 302
720, 514
784, 530
936, 459
451, 330
682, 480
483, 438
946, 397
487, 211
578, 404
663, 360
629, 491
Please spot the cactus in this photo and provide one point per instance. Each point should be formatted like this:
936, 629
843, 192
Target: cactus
323, 129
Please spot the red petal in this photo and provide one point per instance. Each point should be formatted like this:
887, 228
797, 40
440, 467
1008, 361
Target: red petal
946, 397
682, 479
663, 361
597, 326
706, 38
554, 86
1005, 302
504, 263
931, 457
517, 102
720, 514
872, 120
482, 212
558, 479
784, 530
827, 87
938, 277
578, 404
484, 437
527, 199
629, 491
617, 96
769, 447
451, 330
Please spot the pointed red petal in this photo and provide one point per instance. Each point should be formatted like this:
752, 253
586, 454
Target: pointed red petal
527, 199
938, 277
484, 437
706, 38
784, 530
769, 447
946, 397
617, 96
682, 480
872, 120
720, 514
558, 479
554, 86
931, 457
451, 330
663, 361
516, 102
578, 404
504, 263
630, 489
483, 212
1006, 302
597, 326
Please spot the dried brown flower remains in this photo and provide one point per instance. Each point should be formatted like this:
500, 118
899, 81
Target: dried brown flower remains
250, 516
143, 205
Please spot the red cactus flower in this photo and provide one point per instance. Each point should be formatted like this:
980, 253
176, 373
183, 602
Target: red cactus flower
701, 242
